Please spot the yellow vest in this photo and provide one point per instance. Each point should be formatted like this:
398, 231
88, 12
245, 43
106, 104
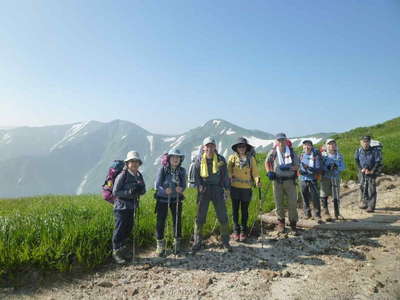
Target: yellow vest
242, 178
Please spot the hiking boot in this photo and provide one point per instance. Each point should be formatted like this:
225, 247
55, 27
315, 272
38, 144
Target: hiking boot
293, 228
177, 245
117, 256
318, 219
235, 237
160, 251
280, 228
196, 243
225, 243
243, 237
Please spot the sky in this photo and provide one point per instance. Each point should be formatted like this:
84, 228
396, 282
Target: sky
300, 67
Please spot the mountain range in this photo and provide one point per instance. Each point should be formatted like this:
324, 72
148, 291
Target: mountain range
74, 158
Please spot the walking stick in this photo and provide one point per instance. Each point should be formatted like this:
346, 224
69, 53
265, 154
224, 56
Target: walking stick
176, 223
261, 220
136, 219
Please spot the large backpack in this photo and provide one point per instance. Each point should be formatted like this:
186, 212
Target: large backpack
107, 188
377, 147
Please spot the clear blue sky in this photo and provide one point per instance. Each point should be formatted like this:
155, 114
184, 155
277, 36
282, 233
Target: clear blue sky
297, 66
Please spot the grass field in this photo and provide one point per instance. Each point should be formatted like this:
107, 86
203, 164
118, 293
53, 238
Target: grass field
59, 232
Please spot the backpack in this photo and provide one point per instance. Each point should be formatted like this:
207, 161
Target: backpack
376, 147
113, 171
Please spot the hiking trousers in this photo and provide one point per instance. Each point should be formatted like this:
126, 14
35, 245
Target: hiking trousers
288, 187
367, 190
214, 194
162, 215
124, 221
240, 201
309, 192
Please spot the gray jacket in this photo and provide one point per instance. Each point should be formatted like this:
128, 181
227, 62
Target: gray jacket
127, 190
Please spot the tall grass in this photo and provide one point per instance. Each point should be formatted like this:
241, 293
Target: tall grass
59, 232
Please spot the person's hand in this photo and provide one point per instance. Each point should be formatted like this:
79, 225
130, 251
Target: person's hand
364, 170
284, 167
271, 175
168, 191
201, 189
258, 182
304, 166
179, 189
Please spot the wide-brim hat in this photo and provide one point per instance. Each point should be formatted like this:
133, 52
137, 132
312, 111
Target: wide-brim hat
307, 141
240, 141
328, 141
281, 136
133, 155
209, 140
176, 152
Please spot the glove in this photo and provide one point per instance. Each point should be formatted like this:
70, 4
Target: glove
140, 188
271, 175
284, 167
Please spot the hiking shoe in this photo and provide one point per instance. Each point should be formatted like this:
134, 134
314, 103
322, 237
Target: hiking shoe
293, 228
243, 237
319, 219
235, 237
225, 243
280, 228
369, 210
118, 257
160, 251
177, 245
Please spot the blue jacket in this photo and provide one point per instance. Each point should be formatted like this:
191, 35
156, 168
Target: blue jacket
310, 173
332, 165
370, 158
167, 178
127, 190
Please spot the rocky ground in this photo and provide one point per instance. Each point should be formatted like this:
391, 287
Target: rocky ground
317, 264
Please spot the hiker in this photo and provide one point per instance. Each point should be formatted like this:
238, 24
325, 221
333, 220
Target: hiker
310, 164
281, 165
332, 166
212, 182
191, 178
369, 161
128, 187
243, 174
170, 185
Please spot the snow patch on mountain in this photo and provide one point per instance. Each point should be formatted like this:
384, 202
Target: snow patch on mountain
6, 139
169, 139
314, 140
150, 138
179, 141
230, 132
70, 134
257, 142
225, 154
79, 190
222, 131
216, 122
123, 137
195, 152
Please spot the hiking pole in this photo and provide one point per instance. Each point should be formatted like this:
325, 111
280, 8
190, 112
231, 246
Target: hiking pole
169, 203
135, 218
176, 223
261, 220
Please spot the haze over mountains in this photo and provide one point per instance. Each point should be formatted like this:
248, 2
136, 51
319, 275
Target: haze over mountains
74, 158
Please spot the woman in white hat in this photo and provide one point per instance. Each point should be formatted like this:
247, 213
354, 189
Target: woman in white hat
128, 187
170, 185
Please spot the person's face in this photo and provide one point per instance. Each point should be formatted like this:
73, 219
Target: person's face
241, 149
331, 147
133, 165
365, 143
209, 149
281, 143
307, 147
174, 160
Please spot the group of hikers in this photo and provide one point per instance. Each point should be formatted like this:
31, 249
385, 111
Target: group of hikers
216, 180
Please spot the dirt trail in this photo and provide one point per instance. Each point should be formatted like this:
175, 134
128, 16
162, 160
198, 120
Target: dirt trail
318, 264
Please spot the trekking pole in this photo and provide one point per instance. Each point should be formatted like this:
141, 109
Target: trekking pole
136, 218
176, 223
169, 203
261, 220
